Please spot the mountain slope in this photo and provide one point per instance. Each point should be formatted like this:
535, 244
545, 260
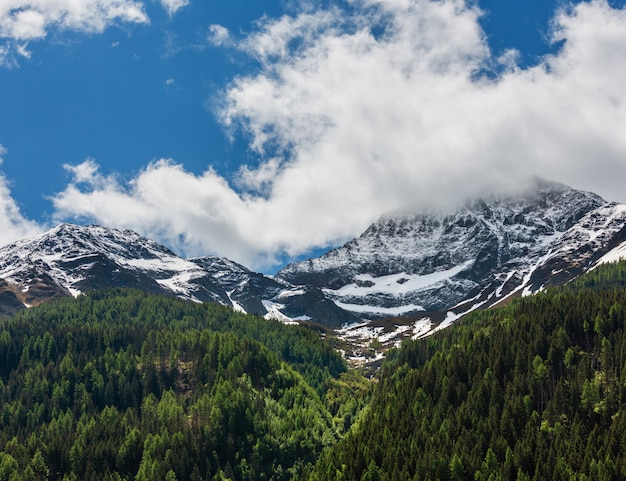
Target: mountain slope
127, 385
437, 266
405, 276
256, 293
531, 391
69, 260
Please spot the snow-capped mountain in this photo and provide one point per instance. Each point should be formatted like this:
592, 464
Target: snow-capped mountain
69, 259
435, 267
256, 293
405, 276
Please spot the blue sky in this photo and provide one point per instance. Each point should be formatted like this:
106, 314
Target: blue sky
263, 131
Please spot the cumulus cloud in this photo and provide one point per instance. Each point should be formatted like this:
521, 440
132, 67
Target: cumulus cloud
22, 21
392, 104
87, 173
13, 225
172, 6
219, 35
193, 214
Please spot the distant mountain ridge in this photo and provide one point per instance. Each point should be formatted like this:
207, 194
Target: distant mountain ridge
405, 276
70, 259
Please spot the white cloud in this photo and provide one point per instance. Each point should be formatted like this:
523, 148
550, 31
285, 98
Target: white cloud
172, 6
22, 21
13, 225
86, 173
219, 35
274, 40
168, 203
169, 85
23, 50
5, 57
258, 180
357, 113
403, 114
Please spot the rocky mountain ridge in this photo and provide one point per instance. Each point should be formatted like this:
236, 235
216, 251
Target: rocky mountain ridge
405, 276
432, 268
70, 259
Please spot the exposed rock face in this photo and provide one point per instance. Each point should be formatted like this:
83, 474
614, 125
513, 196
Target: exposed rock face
256, 293
428, 268
70, 259
473, 257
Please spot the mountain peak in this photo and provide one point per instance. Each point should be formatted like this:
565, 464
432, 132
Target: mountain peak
70, 259
450, 262
425, 268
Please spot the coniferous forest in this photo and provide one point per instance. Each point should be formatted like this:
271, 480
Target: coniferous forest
125, 385
532, 391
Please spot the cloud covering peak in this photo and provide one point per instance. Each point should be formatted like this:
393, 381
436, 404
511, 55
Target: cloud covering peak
383, 105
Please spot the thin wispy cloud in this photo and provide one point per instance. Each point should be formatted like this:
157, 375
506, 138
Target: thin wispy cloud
393, 104
170, 85
173, 6
23, 21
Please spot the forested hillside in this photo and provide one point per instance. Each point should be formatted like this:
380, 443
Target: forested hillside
125, 385
533, 391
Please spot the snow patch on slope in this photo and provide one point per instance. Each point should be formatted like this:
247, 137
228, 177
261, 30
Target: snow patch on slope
395, 284
615, 255
378, 310
274, 312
